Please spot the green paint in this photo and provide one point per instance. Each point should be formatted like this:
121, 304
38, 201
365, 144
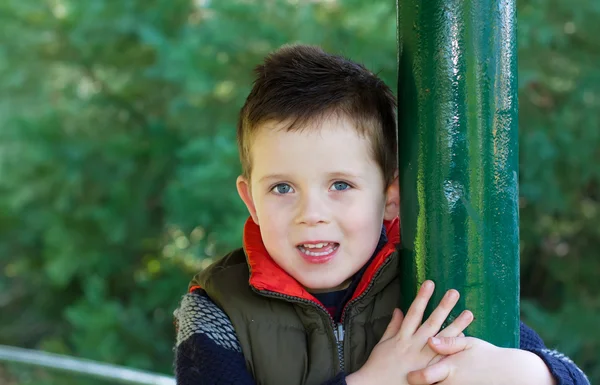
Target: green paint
457, 98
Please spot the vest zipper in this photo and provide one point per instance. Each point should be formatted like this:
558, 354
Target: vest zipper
338, 330
339, 336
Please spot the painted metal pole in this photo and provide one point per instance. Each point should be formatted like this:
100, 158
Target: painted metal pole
458, 157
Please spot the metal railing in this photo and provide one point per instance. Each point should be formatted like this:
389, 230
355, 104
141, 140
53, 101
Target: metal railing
114, 373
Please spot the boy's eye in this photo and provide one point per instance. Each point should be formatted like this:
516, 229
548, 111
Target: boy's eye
282, 188
340, 186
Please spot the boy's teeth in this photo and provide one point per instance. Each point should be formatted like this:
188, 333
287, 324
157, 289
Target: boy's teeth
316, 245
318, 249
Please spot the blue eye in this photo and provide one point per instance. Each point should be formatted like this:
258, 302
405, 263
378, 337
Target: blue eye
282, 188
340, 186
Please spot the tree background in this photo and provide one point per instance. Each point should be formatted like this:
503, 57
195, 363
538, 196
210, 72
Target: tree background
118, 162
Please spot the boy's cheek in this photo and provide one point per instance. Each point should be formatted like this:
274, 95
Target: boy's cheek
273, 218
276, 206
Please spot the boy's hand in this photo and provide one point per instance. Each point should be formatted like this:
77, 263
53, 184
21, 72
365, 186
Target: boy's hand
472, 361
403, 347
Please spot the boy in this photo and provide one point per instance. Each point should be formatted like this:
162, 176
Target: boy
312, 296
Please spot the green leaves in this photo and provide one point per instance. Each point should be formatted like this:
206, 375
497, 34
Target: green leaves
118, 158
560, 190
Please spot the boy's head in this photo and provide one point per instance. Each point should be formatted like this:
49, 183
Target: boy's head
317, 142
302, 85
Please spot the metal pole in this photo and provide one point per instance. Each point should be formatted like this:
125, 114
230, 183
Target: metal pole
458, 157
116, 374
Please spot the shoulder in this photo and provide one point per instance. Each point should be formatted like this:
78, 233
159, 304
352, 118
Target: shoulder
235, 260
199, 315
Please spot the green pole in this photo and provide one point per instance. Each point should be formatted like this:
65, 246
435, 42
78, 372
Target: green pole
458, 157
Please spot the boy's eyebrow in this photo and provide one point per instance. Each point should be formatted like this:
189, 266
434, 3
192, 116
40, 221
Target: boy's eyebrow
335, 174
344, 175
271, 176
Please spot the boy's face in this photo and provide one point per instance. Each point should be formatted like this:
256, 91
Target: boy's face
319, 199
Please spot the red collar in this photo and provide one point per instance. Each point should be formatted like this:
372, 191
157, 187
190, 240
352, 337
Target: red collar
265, 274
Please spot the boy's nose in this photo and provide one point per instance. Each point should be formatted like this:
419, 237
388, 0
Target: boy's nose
313, 211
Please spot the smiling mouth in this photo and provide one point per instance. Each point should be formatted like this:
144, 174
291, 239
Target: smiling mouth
318, 249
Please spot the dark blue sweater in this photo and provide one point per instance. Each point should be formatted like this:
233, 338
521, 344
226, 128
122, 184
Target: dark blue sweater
208, 351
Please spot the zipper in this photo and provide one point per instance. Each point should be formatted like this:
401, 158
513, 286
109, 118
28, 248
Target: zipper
338, 329
339, 337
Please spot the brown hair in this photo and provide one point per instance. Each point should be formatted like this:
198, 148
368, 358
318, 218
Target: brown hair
303, 84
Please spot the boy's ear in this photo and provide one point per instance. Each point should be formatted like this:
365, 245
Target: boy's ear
392, 200
243, 188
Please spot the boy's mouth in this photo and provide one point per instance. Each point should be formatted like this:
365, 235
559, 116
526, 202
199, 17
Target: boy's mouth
318, 249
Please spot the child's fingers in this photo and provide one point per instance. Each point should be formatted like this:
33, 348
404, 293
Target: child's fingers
450, 345
456, 328
431, 374
433, 324
414, 316
394, 325
437, 358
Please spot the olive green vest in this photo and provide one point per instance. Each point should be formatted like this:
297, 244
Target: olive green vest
291, 340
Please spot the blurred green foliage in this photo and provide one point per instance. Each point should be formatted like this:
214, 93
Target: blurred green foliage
118, 161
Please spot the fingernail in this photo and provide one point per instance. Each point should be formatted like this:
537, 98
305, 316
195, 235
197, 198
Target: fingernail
436, 341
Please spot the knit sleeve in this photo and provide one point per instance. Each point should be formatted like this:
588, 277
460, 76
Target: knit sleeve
564, 371
207, 350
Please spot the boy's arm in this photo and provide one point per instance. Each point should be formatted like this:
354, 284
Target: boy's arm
564, 371
208, 351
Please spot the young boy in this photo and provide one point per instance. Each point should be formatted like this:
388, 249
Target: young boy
311, 297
